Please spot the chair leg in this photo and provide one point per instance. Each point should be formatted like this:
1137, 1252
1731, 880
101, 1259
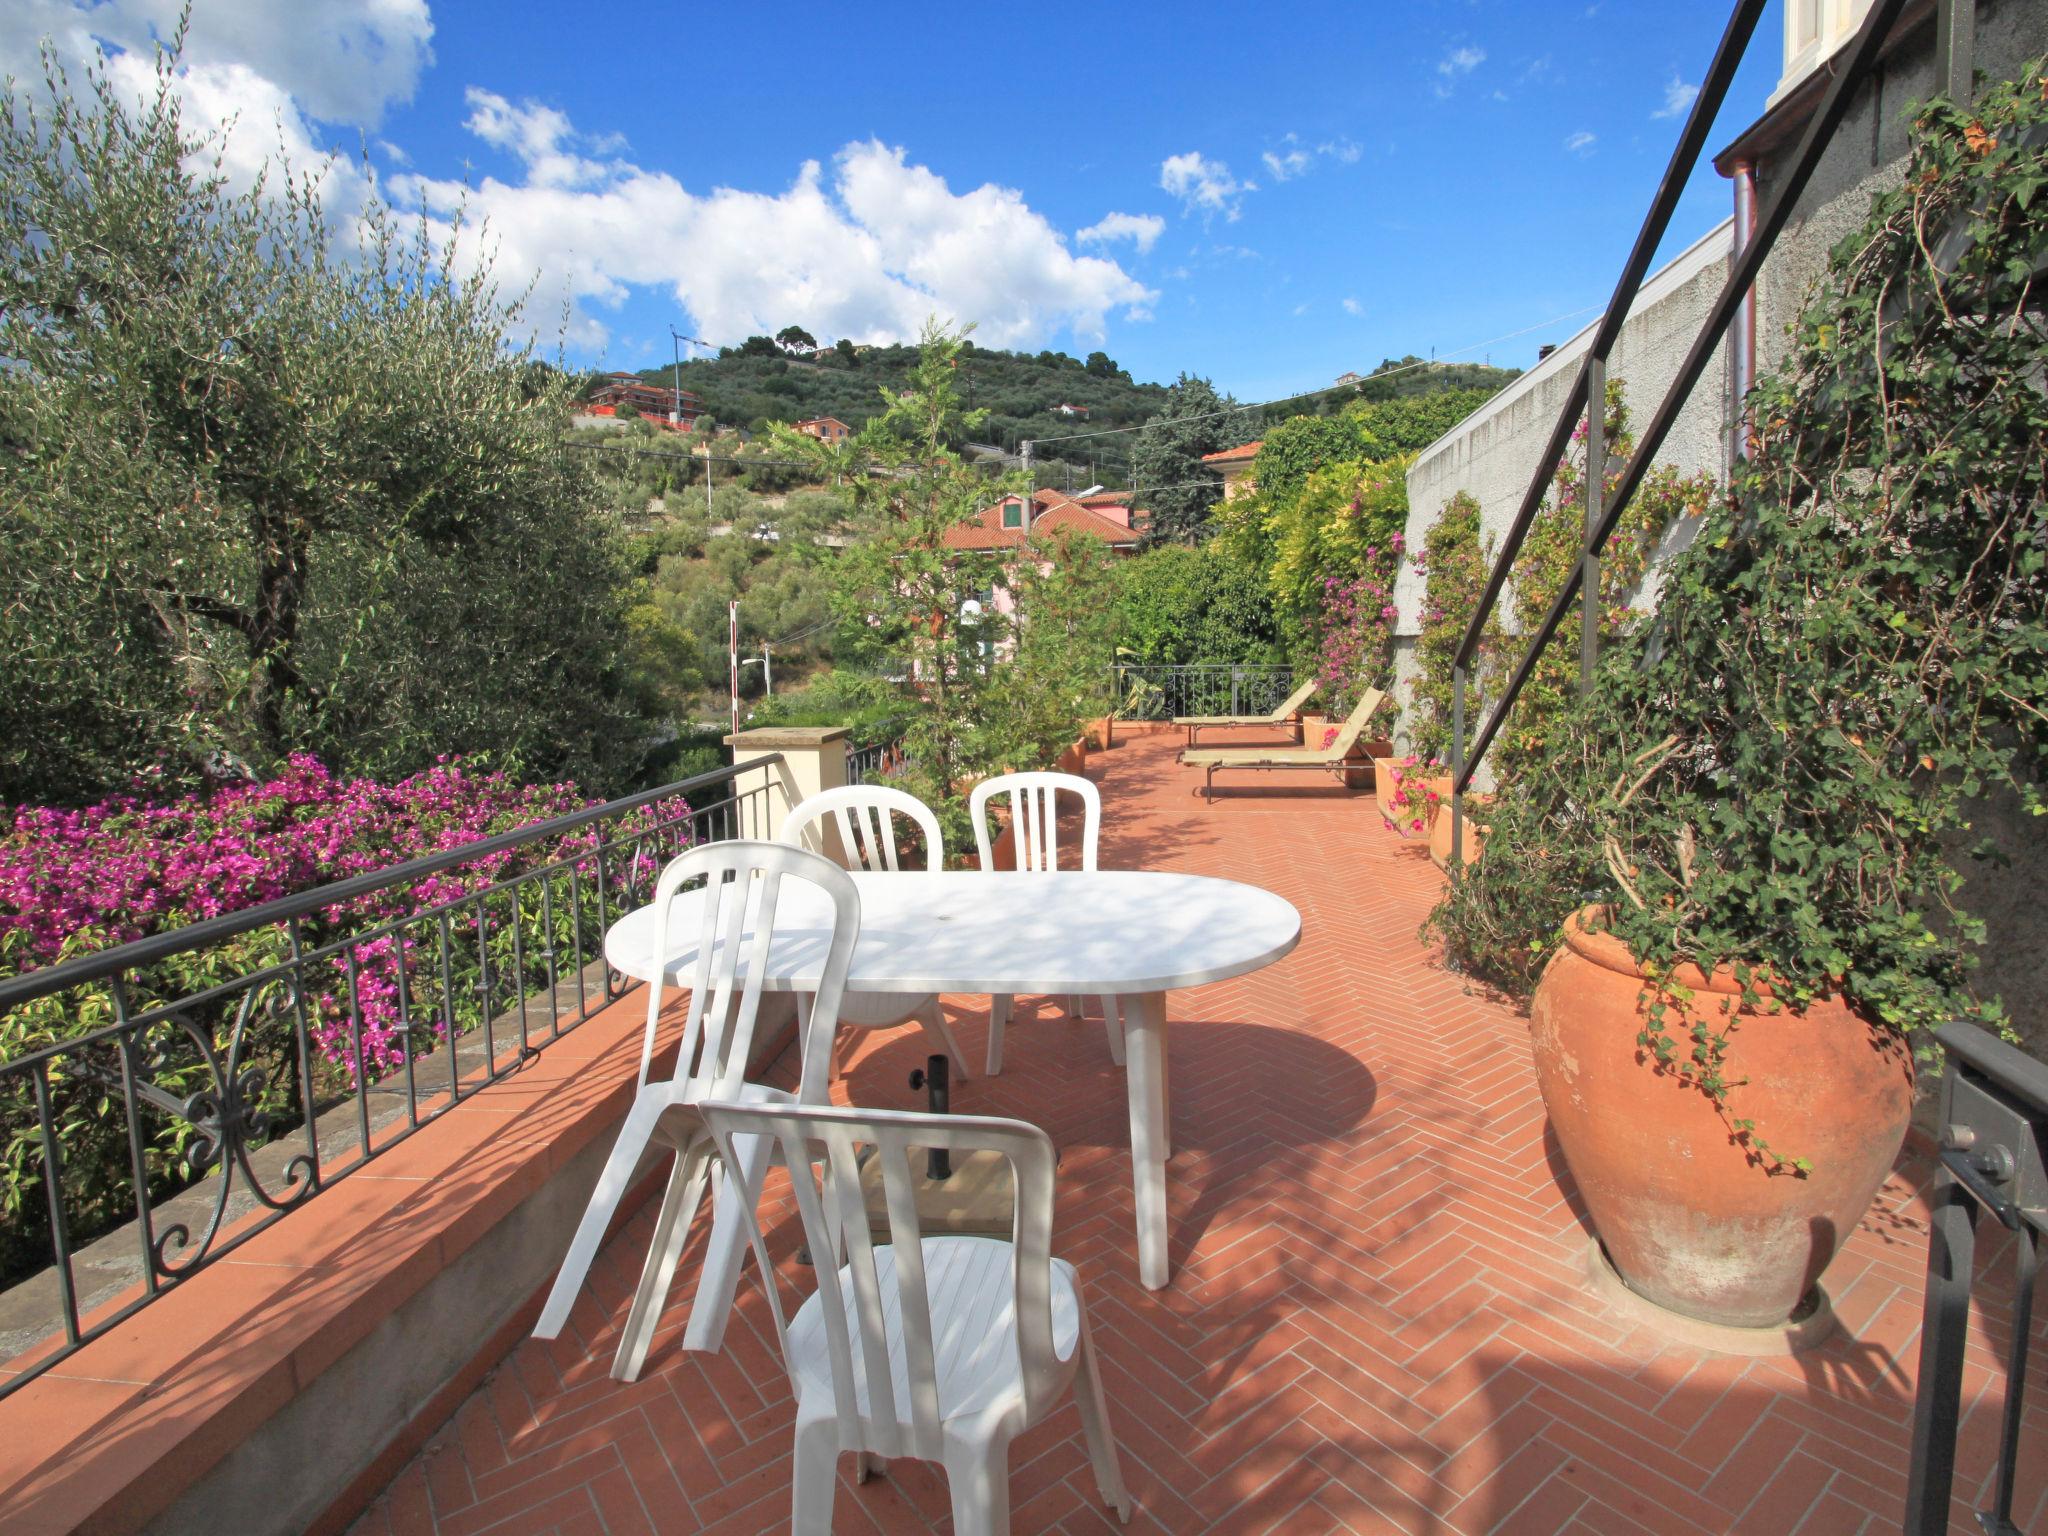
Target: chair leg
998, 1016
1114, 1027
1094, 1405
597, 1217
719, 1280
671, 1231
978, 1477
814, 1475
940, 1034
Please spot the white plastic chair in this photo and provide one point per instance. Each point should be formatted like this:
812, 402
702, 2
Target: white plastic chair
864, 816
939, 1348
1034, 818
742, 883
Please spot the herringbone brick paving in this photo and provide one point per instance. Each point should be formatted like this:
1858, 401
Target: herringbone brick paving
1379, 1318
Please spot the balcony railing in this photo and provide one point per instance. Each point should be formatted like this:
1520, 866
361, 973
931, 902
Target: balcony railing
1148, 692
198, 1084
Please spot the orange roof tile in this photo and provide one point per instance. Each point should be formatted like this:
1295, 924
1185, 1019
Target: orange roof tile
1056, 510
1233, 455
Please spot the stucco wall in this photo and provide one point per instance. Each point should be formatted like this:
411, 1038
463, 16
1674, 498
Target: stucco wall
1492, 453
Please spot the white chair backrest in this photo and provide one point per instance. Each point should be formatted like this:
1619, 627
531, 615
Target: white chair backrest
864, 816
1034, 817
742, 885
905, 1422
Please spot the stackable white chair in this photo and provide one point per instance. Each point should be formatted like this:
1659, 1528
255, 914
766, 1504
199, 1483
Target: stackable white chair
742, 886
938, 1348
864, 815
1034, 817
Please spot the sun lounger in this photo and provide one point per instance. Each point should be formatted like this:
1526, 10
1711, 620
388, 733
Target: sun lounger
1328, 759
1288, 706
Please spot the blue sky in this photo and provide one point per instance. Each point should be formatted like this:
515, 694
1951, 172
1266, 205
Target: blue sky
1268, 196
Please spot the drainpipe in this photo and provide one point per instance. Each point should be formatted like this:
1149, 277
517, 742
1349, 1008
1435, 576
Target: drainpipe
1743, 338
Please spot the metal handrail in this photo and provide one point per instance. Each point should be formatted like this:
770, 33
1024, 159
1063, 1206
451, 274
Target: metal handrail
1582, 583
137, 953
478, 984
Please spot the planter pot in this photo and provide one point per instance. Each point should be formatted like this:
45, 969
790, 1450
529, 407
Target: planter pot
1002, 852
1313, 728
1440, 831
1403, 819
1690, 1221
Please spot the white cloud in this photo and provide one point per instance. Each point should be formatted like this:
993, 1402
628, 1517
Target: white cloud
1204, 184
1455, 65
1301, 308
1353, 307
539, 136
340, 61
1581, 143
1142, 229
868, 252
1678, 98
1294, 158
1294, 162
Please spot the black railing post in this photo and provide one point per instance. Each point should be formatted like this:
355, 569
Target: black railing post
1994, 1155
1944, 1332
1595, 488
1457, 770
1955, 49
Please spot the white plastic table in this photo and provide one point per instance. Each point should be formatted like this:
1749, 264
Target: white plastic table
1130, 933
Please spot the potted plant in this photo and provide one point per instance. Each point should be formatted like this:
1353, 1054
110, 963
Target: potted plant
1748, 834
1409, 792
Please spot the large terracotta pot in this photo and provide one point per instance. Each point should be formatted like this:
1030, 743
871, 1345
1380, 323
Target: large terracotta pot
1688, 1219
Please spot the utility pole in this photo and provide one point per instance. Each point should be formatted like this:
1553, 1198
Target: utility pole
675, 343
732, 612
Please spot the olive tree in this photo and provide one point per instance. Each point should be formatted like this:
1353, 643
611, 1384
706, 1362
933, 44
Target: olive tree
271, 481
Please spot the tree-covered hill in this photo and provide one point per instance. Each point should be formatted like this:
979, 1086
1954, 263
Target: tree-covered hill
763, 381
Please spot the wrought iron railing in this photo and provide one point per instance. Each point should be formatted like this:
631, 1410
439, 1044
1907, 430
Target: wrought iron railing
870, 764
196, 1085
1851, 67
1148, 692
1993, 1160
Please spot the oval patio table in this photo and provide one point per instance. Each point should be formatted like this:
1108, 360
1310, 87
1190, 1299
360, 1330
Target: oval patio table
1135, 934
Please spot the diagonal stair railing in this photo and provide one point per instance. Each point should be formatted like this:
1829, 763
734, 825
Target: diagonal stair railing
1852, 66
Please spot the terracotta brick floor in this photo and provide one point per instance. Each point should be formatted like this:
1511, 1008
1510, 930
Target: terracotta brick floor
1378, 1321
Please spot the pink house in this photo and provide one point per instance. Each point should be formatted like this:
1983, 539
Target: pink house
1010, 523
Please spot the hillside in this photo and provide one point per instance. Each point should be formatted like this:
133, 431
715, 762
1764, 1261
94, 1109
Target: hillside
758, 383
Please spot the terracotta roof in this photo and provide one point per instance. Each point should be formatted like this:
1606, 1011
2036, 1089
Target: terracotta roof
1056, 510
1233, 455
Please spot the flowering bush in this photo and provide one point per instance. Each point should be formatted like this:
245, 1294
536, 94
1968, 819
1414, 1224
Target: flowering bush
73, 882
124, 868
1355, 628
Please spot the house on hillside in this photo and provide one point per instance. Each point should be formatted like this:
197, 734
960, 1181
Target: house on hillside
651, 400
1071, 412
1350, 378
1010, 524
1235, 466
826, 429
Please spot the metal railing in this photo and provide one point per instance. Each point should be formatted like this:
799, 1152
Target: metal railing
1993, 1159
872, 763
1159, 692
248, 1061
1851, 66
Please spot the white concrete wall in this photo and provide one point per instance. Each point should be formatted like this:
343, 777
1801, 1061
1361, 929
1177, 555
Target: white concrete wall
1492, 453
